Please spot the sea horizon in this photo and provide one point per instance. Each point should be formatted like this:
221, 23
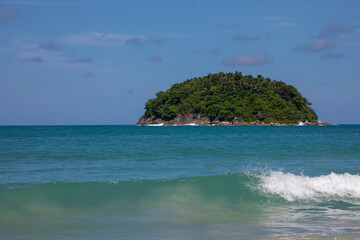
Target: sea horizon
134, 124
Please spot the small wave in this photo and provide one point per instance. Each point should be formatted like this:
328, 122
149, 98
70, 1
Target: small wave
267, 186
299, 187
257, 199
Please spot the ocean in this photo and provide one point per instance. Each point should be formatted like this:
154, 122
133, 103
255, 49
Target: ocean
182, 182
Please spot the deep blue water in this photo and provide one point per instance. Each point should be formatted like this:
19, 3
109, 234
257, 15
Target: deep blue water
184, 182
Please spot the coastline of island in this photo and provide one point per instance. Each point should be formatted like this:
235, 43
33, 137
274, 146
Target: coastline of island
197, 120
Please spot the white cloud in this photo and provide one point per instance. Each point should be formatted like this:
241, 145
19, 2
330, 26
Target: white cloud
49, 2
273, 18
317, 46
337, 29
31, 53
154, 58
285, 24
104, 39
247, 59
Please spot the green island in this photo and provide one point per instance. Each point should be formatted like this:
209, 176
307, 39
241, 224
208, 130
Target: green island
229, 99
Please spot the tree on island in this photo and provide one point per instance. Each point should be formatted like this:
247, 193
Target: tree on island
229, 96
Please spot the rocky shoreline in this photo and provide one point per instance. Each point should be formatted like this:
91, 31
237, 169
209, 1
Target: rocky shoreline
196, 119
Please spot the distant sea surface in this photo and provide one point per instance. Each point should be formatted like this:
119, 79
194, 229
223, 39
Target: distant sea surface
183, 182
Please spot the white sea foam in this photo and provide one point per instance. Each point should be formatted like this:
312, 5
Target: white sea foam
190, 124
155, 125
299, 187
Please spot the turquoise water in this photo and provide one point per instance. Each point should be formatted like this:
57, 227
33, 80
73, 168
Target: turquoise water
184, 182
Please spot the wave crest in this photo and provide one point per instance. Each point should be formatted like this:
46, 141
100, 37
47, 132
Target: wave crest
299, 187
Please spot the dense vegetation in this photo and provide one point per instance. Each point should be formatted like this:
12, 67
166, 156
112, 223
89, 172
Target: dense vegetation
229, 95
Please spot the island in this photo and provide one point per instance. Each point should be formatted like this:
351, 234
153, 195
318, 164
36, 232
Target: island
229, 99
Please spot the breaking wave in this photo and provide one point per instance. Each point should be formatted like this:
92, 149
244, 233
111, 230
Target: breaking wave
299, 187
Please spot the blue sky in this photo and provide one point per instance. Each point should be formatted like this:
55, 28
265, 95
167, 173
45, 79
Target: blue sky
98, 62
